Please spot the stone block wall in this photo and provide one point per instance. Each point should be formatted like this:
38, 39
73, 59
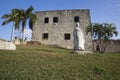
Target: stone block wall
112, 46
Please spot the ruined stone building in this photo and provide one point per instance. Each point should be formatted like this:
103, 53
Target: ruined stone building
56, 27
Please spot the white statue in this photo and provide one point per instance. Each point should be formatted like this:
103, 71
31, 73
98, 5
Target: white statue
79, 40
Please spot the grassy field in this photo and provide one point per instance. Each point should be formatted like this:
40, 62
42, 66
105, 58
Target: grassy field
41, 62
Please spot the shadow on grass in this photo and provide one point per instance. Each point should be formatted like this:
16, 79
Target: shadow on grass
44, 50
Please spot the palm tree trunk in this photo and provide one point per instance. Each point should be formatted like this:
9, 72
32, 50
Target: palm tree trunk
23, 36
12, 33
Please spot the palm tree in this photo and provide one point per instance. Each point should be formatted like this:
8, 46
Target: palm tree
27, 15
102, 33
12, 17
96, 31
110, 30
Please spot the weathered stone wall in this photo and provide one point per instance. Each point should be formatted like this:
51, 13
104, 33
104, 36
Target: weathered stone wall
112, 46
65, 24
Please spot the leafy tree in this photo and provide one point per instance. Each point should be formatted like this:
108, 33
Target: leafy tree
110, 30
102, 33
14, 17
27, 16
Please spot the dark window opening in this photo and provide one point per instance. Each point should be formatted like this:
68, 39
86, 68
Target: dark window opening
67, 36
76, 19
55, 20
45, 36
46, 20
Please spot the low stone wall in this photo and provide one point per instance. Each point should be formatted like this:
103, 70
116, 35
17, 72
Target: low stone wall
112, 46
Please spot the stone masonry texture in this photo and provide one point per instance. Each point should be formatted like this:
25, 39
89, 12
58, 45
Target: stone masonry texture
65, 25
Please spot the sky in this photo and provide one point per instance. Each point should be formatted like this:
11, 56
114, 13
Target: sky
101, 11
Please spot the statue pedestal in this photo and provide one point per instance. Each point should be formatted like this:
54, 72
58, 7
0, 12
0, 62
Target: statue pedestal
82, 52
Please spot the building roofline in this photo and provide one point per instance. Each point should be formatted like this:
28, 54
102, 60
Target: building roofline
63, 10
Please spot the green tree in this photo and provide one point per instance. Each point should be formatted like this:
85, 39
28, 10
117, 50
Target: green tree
110, 30
14, 17
102, 33
27, 16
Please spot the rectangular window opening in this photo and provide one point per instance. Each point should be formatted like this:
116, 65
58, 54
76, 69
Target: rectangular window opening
76, 19
46, 20
67, 36
45, 36
55, 20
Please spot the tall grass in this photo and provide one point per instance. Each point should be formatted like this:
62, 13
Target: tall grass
52, 63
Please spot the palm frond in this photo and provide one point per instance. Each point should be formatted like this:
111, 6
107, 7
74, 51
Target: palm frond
6, 21
29, 10
5, 16
17, 25
32, 20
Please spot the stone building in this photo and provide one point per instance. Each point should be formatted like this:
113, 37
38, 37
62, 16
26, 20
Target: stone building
56, 27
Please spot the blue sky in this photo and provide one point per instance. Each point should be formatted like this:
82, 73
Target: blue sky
100, 10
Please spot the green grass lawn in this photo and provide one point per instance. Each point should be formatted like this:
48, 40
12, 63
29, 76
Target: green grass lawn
41, 62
